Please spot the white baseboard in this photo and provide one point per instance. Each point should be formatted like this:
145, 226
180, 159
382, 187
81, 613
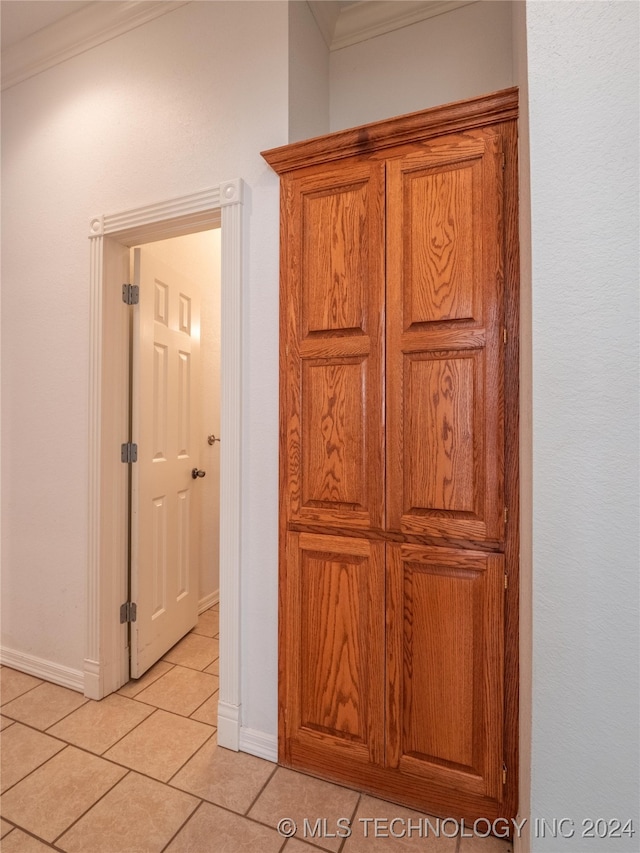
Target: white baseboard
228, 725
259, 743
93, 687
45, 669
208, 601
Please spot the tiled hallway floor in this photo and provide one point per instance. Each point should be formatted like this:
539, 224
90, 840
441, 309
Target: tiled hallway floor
141, 772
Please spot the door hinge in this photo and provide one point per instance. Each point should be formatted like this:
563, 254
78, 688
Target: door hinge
506, 581
128, 612
504, 335
506, 515
504, 774
130, 294
129, 452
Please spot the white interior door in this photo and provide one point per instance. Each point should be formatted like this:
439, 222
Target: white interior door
166, 426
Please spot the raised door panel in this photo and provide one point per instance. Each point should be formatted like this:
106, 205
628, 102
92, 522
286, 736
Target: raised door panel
166, 425
332, 649
445, 668
445, 468
332, 314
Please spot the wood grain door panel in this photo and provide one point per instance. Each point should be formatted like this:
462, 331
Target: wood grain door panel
332, 650
334, 425
332, 368
445, 650
444, 437
445, 431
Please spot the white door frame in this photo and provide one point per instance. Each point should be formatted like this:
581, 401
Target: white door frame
106, 663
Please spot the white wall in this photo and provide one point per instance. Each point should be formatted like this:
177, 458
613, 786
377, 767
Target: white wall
453, 56
197, 256
583, 111
177, 105
308, 75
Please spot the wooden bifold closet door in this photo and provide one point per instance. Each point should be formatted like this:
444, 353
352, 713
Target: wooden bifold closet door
398, 567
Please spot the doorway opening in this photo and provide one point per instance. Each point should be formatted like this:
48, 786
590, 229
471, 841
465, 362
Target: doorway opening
106, 664
174, 536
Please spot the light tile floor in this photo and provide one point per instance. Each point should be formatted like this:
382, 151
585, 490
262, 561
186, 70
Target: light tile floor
141, 772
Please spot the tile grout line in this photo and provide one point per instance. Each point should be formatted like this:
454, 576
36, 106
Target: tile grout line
200, 634
86, 811
65, 745
55, 722
204, 703
30, 834
126, 734
4, 666
133, 769
244, 815
97, 701
191, 668
190, 633
32, 728
182, 825
247, 816
353, 814
175, 666
259, 794
224, 808
46, 731
24, 778
193, 755
166, 784
259, 822
142, 689
103, 757
102, 754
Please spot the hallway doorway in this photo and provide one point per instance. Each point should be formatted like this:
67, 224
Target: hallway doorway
106, 665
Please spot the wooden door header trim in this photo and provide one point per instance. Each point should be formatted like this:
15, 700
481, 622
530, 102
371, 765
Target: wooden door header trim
413, 127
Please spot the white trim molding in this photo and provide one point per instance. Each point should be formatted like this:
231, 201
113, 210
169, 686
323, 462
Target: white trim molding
105, 666
259, 743
95, 23
231, 198
89, 26
356, 22
208, 601
65, 676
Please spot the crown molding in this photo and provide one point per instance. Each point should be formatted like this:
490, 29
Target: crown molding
356, 22
99, 22
74, 34
326, 14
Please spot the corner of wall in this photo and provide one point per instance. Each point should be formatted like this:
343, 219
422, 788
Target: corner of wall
308, 75
522, 842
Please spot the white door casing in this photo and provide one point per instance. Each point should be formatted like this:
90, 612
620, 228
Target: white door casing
167, 429
106, 663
